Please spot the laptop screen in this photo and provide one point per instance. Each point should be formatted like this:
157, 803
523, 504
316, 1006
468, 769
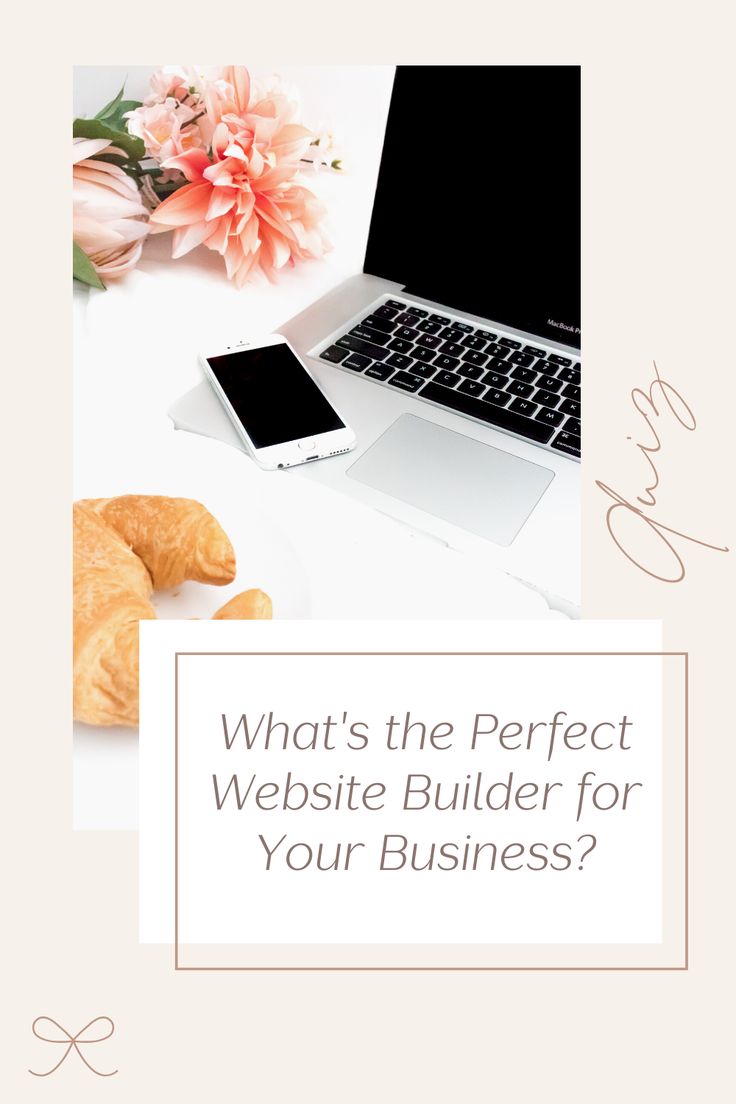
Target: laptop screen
478, 199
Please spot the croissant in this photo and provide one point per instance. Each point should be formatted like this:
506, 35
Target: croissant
124, 548
251, 605
177, 538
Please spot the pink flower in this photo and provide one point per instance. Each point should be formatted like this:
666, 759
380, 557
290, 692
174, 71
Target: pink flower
164, 128
172, 80
110, 222
243, 199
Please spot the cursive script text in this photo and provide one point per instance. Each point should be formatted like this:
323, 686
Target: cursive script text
634, 539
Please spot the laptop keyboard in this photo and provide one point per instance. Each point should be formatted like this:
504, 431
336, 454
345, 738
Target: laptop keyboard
499, 380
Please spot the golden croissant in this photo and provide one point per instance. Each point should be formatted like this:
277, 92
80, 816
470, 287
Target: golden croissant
124, 549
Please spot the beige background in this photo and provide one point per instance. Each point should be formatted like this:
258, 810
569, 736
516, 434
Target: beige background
658, 248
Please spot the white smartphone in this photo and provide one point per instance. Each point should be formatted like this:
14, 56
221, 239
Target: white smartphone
275, 403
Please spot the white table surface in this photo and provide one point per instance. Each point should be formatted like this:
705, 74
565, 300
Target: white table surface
319, 554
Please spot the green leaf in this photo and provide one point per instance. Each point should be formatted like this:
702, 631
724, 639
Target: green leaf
112, 114
93, 128
112, 159
84, 270
109, 109
117, 119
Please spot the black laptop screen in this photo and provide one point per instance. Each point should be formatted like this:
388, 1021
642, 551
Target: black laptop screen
478, 199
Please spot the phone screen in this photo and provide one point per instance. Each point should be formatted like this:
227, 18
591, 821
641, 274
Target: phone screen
275, 399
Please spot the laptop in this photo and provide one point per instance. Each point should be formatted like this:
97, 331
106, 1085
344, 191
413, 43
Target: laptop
455, 353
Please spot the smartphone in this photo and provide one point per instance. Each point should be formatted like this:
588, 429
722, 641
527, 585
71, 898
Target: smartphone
275, 403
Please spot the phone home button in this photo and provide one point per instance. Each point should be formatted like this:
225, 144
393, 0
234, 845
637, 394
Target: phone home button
310, 444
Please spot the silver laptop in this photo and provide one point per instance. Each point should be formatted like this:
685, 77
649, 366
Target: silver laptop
455, 354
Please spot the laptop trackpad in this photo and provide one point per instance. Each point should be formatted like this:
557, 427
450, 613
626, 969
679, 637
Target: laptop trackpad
454, 477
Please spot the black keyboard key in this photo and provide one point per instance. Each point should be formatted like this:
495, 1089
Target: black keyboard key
376, 322
358, 345
471, 387
570, 391
535, 352
398, 360
524, 359
429, 341
379, 372
400, 346
487, 412
497, 350
497, 365
572, 425
549, 417
450, 334
525, 374
440, 318
494, 379
525, 407
486, 335
472, 357
451, 348
388, 311
356, 362
499, 398
447, 379
516, 387
429, 327
555, 359
472, 341
417, 311
565, 442
509, 342
569, 375
334, 354
470, 371
447, 362
572, 409
425, 355
548, 383
367, 334
408, 319
546, 398
406, 381
423, 370
395, 304
406, 333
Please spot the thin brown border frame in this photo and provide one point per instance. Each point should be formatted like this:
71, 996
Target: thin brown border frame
439, 969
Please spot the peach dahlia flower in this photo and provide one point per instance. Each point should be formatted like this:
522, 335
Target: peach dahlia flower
242, 198
110, 222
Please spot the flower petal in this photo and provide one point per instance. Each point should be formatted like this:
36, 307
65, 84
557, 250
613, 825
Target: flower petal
192, 163
249, 265
239, 78
270, 213
219, 236
186, 205
233, 257
222, 200
88, 147
272, 178
188, 237
116, 263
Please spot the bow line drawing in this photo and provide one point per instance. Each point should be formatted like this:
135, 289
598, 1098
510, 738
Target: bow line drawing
86, 1036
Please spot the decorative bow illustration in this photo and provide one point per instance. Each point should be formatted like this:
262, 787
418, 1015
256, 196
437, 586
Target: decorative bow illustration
73, 1042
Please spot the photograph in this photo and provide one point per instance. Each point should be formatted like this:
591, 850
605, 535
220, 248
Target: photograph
326, 359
